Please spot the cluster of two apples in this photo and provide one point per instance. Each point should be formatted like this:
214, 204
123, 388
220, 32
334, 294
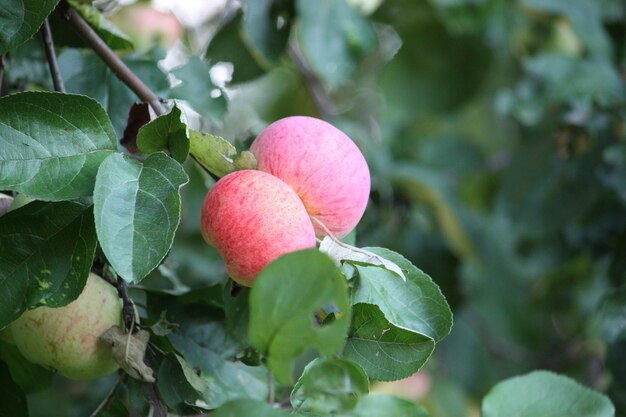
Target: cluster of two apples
311, 180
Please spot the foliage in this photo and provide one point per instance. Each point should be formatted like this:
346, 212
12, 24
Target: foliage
494, 132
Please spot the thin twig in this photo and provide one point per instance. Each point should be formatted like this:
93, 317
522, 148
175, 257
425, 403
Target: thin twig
106, 399
51, 57
314, 84
155, 403
119, 68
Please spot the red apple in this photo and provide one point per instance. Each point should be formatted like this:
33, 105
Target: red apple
324, 167
252, 218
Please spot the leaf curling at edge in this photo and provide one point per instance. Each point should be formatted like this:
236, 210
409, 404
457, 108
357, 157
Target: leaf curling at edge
340, 251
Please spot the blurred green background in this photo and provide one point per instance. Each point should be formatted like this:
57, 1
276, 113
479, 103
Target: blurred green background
494, 131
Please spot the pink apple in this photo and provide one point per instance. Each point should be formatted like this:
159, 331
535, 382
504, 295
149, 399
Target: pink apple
324, 167
252, 218
68, 338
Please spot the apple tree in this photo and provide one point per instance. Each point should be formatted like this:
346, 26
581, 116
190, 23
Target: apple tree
274, 207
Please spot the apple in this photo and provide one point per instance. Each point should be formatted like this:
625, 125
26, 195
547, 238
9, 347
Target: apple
252, 218
324, 167
68, 338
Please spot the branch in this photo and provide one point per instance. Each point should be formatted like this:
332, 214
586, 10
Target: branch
119, 68
155, 403
51, 57
128, 307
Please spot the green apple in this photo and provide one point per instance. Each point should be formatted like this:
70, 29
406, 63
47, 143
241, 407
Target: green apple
68, 338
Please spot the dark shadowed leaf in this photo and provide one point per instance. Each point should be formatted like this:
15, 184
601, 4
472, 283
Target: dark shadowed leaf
283, 302
130, 199
21, 19
57, 156
138, 115
12, 398
266, 26
178, 383
47, 251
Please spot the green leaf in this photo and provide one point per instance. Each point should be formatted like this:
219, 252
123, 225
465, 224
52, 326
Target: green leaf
28, 66
85, 73
228, 46
109, 33
30, 377
416, 305
21, 19
178, 383
237, 312
543, 393
387, 405
198, 89
137, 211
212, 152
249, 408
333, 36
46, 256
384, 351
283, 302
225, 380
12, 398
51, 144
166, 132
329, 386
261, 30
